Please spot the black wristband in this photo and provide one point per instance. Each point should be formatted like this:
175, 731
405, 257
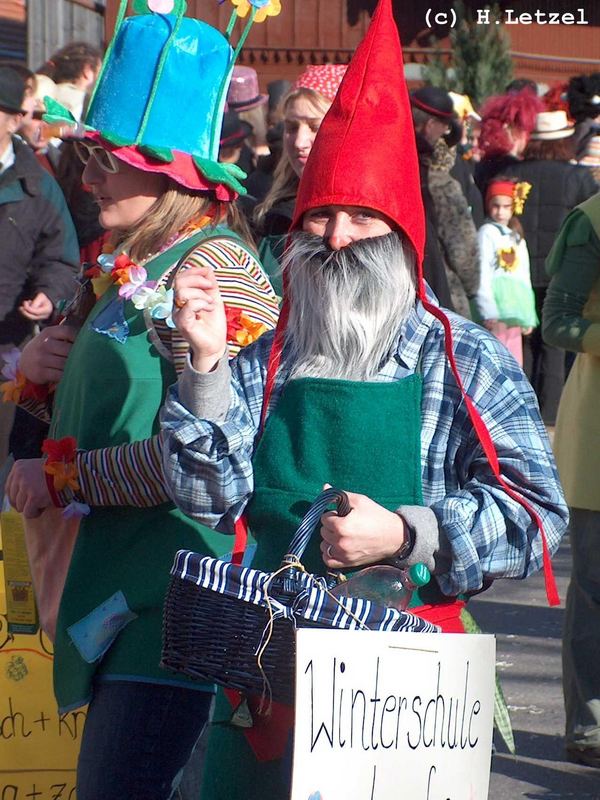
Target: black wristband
398, 559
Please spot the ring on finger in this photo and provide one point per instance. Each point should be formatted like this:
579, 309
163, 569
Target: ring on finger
180, 303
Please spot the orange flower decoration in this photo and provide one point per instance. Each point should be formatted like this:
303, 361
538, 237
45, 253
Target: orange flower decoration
234, 324
63, 475
61, 462
520, 194
120, 272
11, 390
249, 331
241, 329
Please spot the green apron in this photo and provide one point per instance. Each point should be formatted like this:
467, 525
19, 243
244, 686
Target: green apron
321, 431
110, 616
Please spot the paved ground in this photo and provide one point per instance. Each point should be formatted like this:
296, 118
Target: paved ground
528, 635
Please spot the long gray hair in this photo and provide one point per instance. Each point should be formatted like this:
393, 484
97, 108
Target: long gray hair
346, 306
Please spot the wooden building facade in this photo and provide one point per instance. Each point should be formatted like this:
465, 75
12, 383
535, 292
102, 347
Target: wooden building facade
328, 31
317, 31
30, 30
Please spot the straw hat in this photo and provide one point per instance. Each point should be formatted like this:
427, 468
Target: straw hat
552, 125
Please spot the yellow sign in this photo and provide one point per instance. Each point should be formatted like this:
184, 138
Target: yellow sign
20, 600
38, 746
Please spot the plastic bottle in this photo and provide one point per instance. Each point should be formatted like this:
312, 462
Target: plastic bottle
384, 585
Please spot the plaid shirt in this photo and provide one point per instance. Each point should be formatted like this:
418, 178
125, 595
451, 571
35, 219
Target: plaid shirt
208, 465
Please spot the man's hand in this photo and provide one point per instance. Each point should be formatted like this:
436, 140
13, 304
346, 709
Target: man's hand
38, 309
43, 359
199, 314
368, 534
26, 487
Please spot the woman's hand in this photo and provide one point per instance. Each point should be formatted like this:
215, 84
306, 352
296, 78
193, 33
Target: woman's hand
43, 359
368, 534
199, 314
26, 487
37, 309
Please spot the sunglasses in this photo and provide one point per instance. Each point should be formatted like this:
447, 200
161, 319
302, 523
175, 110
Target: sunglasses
104, 158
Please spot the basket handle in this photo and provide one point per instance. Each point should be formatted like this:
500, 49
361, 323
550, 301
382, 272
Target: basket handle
312, 517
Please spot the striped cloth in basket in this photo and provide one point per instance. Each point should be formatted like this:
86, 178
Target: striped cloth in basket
311, 606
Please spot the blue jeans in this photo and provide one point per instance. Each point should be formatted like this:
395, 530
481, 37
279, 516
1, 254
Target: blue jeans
137, 739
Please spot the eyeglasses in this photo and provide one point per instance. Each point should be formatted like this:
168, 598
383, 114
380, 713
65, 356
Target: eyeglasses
104, 158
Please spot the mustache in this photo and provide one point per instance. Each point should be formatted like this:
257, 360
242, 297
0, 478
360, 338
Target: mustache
316, 252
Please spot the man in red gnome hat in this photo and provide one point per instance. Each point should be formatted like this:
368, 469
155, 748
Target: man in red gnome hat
421, 416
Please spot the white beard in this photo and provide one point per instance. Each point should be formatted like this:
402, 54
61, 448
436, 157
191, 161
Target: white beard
346, 306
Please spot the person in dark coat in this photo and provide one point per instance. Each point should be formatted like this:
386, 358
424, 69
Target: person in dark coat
558, 185
583, 96
39, 258
434, 118
456, 231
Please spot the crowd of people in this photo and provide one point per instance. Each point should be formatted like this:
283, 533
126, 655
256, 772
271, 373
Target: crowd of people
258, 275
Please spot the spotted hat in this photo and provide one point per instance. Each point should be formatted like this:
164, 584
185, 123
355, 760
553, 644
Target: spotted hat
322, 78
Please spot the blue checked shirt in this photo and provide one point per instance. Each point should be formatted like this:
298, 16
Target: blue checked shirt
208, 465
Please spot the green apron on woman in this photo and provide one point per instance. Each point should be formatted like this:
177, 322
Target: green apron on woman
110, 618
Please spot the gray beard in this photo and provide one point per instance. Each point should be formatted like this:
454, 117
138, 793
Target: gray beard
346, 306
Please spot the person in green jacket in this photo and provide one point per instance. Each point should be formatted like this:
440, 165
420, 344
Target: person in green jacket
571, 320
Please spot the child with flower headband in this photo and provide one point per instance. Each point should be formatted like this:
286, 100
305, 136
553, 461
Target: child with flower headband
505, 303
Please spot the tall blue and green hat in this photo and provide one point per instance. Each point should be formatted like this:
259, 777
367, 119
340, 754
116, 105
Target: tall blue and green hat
159, 99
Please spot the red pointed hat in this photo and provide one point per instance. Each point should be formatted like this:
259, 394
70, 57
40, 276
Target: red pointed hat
365, 153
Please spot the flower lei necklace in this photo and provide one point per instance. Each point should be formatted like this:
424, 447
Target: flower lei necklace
132, 278
146, 295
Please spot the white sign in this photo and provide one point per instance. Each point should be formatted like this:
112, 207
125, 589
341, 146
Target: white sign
383, 716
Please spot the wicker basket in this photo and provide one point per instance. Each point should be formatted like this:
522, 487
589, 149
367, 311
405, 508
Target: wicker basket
219, 616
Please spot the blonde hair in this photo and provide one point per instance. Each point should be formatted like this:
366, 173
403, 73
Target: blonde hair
170, 213
285, 180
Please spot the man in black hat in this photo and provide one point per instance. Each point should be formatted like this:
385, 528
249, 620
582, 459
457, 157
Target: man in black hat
39, 257
434, 119
433, 113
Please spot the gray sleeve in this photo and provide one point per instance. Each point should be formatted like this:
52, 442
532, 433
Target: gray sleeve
206, 394
431, 545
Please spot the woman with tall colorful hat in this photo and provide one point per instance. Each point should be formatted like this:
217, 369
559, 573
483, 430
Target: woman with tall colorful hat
150, 149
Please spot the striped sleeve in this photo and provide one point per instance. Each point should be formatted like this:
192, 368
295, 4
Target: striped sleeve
131, 474
243, 285
125, 475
